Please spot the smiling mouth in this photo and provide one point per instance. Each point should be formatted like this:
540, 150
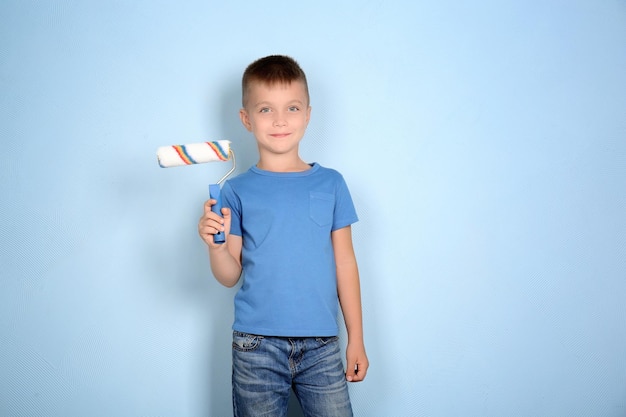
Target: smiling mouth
279, 135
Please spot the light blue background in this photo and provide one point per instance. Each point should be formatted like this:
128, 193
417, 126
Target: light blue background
484, 144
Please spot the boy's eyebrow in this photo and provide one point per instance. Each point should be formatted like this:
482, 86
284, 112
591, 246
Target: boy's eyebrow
268, 103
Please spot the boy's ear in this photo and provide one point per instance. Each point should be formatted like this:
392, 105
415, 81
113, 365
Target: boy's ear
245, 120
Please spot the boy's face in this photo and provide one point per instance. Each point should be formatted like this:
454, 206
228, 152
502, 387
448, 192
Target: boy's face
277, 115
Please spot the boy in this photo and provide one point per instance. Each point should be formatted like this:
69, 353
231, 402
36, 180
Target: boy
287, 226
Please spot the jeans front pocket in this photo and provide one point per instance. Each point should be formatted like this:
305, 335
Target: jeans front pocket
327, 340
321, 207
245, 342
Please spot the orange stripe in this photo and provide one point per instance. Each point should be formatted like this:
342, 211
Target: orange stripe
221, 154
181, 152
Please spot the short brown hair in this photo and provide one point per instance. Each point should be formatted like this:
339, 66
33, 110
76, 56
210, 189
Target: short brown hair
272, 69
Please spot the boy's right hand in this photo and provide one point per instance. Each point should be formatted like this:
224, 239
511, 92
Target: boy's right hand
210, 223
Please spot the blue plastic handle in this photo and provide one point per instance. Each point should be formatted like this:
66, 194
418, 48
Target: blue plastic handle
214, 192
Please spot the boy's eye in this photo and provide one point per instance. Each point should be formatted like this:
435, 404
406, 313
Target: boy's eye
264, 110
294, 108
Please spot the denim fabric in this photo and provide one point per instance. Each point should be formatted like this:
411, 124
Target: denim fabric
266, 368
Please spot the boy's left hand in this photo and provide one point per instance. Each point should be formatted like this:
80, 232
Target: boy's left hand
356, 363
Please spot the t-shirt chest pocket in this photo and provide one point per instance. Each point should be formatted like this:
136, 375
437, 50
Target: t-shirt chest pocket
321, 207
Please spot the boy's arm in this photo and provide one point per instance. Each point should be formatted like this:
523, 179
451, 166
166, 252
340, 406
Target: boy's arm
349, 290
225, 258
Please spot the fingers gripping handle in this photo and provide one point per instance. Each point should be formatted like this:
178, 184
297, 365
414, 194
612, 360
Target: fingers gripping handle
214, 193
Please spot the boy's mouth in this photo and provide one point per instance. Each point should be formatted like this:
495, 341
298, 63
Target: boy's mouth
279, 135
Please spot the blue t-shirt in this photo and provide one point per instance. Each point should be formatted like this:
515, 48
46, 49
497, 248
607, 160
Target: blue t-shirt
285, 220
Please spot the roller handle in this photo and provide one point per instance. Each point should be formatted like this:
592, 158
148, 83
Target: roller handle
214, 193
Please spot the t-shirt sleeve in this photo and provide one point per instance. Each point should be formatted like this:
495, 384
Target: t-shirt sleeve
345, 213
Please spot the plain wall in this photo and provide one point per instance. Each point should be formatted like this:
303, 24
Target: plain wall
484, 144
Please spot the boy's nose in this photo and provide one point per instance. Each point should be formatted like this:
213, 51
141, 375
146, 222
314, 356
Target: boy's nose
279, 121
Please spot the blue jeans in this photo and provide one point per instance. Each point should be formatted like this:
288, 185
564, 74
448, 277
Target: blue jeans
266, 368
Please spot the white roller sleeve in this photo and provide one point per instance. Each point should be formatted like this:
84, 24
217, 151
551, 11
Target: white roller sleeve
193, 153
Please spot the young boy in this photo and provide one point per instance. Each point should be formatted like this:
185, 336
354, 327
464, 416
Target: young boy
287, 226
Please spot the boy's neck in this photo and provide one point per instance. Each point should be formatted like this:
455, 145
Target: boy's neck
282, 164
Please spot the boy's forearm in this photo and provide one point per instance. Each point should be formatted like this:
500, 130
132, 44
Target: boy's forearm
349, 291
348, 285
224, 266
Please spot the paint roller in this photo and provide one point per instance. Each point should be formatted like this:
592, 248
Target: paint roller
199, 153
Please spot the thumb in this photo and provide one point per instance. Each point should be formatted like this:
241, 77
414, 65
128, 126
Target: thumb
351, 371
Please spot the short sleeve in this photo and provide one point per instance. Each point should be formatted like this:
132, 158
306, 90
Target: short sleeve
345, 213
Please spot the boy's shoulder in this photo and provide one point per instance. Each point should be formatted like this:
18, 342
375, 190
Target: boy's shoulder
327, 170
